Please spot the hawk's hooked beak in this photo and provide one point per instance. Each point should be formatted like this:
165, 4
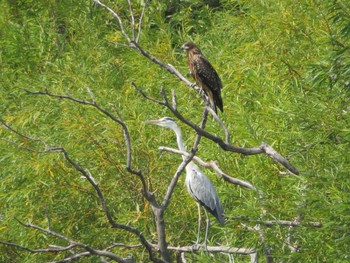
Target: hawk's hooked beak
183, 47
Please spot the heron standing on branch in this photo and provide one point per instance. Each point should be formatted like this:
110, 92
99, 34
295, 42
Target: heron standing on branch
205, 75
198, 184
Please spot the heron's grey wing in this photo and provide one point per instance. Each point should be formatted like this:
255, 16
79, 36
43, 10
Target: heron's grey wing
203, 191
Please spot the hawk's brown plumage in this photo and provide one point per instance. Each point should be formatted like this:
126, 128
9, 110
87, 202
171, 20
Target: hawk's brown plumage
205, 75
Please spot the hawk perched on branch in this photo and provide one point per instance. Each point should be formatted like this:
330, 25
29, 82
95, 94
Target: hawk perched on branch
205, 75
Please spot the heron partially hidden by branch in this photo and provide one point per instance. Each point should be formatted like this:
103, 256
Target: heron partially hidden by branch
198, 184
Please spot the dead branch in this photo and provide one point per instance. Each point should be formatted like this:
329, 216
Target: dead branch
212, 165
86, 173
133, 43
131, 12
262, 149
141, 20
291, 223
118, 120
221, 123
225, 145
40, 250
214, 249
117, 17
90, 250
23, 135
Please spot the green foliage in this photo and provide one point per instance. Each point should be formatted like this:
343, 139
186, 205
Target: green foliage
284, 65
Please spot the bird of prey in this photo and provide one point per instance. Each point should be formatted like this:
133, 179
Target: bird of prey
205, 75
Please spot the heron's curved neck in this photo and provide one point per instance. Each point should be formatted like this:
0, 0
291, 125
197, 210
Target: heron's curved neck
179, 140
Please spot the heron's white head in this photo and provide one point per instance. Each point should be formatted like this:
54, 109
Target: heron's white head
166, 122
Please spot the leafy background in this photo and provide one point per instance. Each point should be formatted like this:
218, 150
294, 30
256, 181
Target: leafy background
285, 68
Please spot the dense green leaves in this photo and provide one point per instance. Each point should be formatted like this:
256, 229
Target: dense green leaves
285, 69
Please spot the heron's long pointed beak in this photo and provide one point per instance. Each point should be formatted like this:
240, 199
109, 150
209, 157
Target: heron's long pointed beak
152, 121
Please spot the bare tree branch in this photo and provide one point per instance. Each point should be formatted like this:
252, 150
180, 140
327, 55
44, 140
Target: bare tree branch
74, 257
291, 223
87, 174
148, 195
116, 16
141, 20
40, 250
132, 20
212, 165
214, 249
273, 154
147, 97
223, 126
225, 145
73, 243
134, 44
22, 135
262, 149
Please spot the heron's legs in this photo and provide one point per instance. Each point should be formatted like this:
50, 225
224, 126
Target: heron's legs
199, 223
206, 230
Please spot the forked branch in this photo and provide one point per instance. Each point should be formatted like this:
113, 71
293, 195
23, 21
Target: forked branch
86, 173
224, 144
73, 245
212, 165
262, 149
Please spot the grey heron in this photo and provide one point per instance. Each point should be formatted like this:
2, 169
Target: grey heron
198, 184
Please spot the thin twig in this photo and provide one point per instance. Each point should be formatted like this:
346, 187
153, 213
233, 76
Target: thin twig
147, 97
115, 15
40, 250
221, 123
291, 223
132, 20
171, 186
141, 20
7, 126
174, 99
